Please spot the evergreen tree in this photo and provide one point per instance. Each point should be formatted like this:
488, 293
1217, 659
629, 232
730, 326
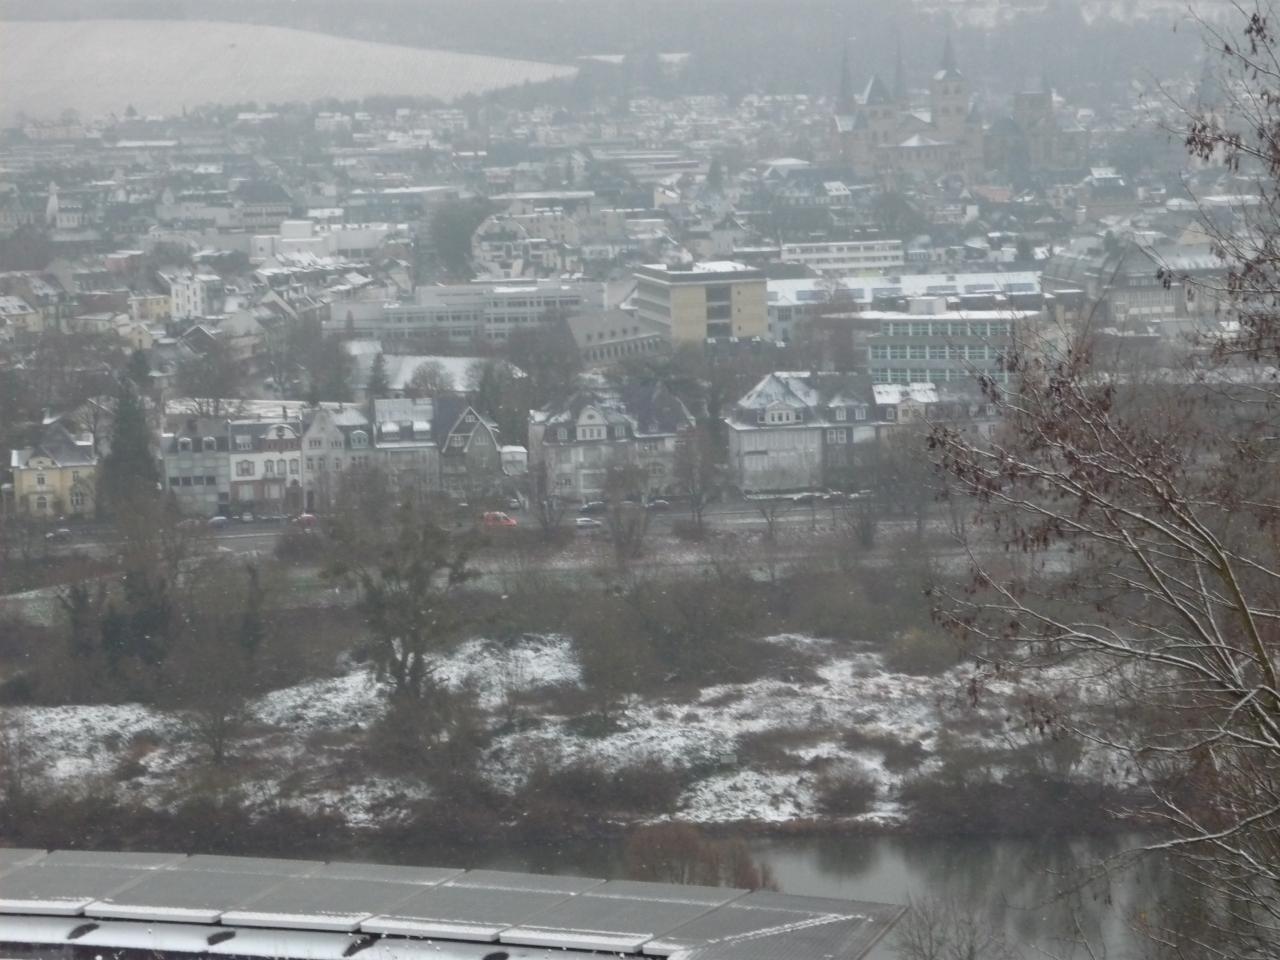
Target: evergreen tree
129, 470
139, 370
378, 388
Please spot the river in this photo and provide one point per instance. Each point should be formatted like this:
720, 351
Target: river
1023, 886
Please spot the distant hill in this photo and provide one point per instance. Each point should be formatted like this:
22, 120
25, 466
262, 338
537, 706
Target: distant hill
160, 66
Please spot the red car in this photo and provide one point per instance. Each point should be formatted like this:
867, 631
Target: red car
496, 518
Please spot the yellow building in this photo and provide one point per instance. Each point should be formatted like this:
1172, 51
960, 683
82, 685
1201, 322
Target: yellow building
55, 478
694, 302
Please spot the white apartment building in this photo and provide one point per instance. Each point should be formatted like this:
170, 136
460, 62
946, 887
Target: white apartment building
846, 258
195, 295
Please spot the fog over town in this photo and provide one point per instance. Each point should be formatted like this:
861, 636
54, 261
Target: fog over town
717, 479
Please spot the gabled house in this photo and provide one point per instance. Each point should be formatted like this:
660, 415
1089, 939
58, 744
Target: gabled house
57, 477
800, 430
334, 440
469, 449
576, 443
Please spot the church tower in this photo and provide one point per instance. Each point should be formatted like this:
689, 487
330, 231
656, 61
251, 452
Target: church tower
949, 97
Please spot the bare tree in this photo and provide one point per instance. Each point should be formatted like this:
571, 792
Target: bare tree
430, 379
697, 471
1147, 506
626, 517
944, 930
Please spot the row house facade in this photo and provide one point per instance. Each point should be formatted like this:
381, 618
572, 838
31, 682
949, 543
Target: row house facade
294, 457
576, 443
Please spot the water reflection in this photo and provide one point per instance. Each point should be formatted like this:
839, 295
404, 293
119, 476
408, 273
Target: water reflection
1038, 891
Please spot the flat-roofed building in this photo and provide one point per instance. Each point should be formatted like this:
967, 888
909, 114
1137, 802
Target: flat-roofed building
716, 298
844, 258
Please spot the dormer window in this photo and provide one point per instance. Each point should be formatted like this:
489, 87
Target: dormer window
469, 418
244, 441
359, 439
184, 445
620, 432
562, 433
842, 414
210, 444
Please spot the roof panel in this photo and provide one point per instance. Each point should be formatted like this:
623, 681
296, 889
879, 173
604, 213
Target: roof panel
464, 913
62, 890
260, 866
321, 903
11, 857
387, 873
508, 880
193, 896
103, 858
590, 922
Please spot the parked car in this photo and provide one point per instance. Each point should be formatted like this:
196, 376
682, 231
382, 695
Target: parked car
496, 518
515, 504
219, 522
306, 520
658, 505
592, 507
586, 523
61, 535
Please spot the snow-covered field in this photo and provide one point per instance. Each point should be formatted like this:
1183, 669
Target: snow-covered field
303, 741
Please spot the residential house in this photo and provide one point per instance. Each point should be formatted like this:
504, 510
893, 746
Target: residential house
577, 442
266, 464
336, 440
792, 430
470, 450
406, 449
57, 477
195, 463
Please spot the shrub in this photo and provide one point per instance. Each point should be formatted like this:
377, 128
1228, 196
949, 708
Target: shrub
898, 754
844, 793
921, 653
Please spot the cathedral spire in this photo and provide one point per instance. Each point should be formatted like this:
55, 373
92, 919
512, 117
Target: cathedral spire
900, 93
846, 102
948, 69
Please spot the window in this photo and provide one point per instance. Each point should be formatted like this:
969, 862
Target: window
322, 463
209, 444
244, 468
469, 418
879, 351
359, 439
562, 433
315, 443
77, 499
186, 481
269, 468
210, 481
898, 351
836, 436
917, 351
335, 444
311, 464
457, 440
860, 413
184, 445
244, 441
937, 351
656, 470
842, 414
620, 432
40, 480
280, 468
42, 504
293, 467
174, 481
